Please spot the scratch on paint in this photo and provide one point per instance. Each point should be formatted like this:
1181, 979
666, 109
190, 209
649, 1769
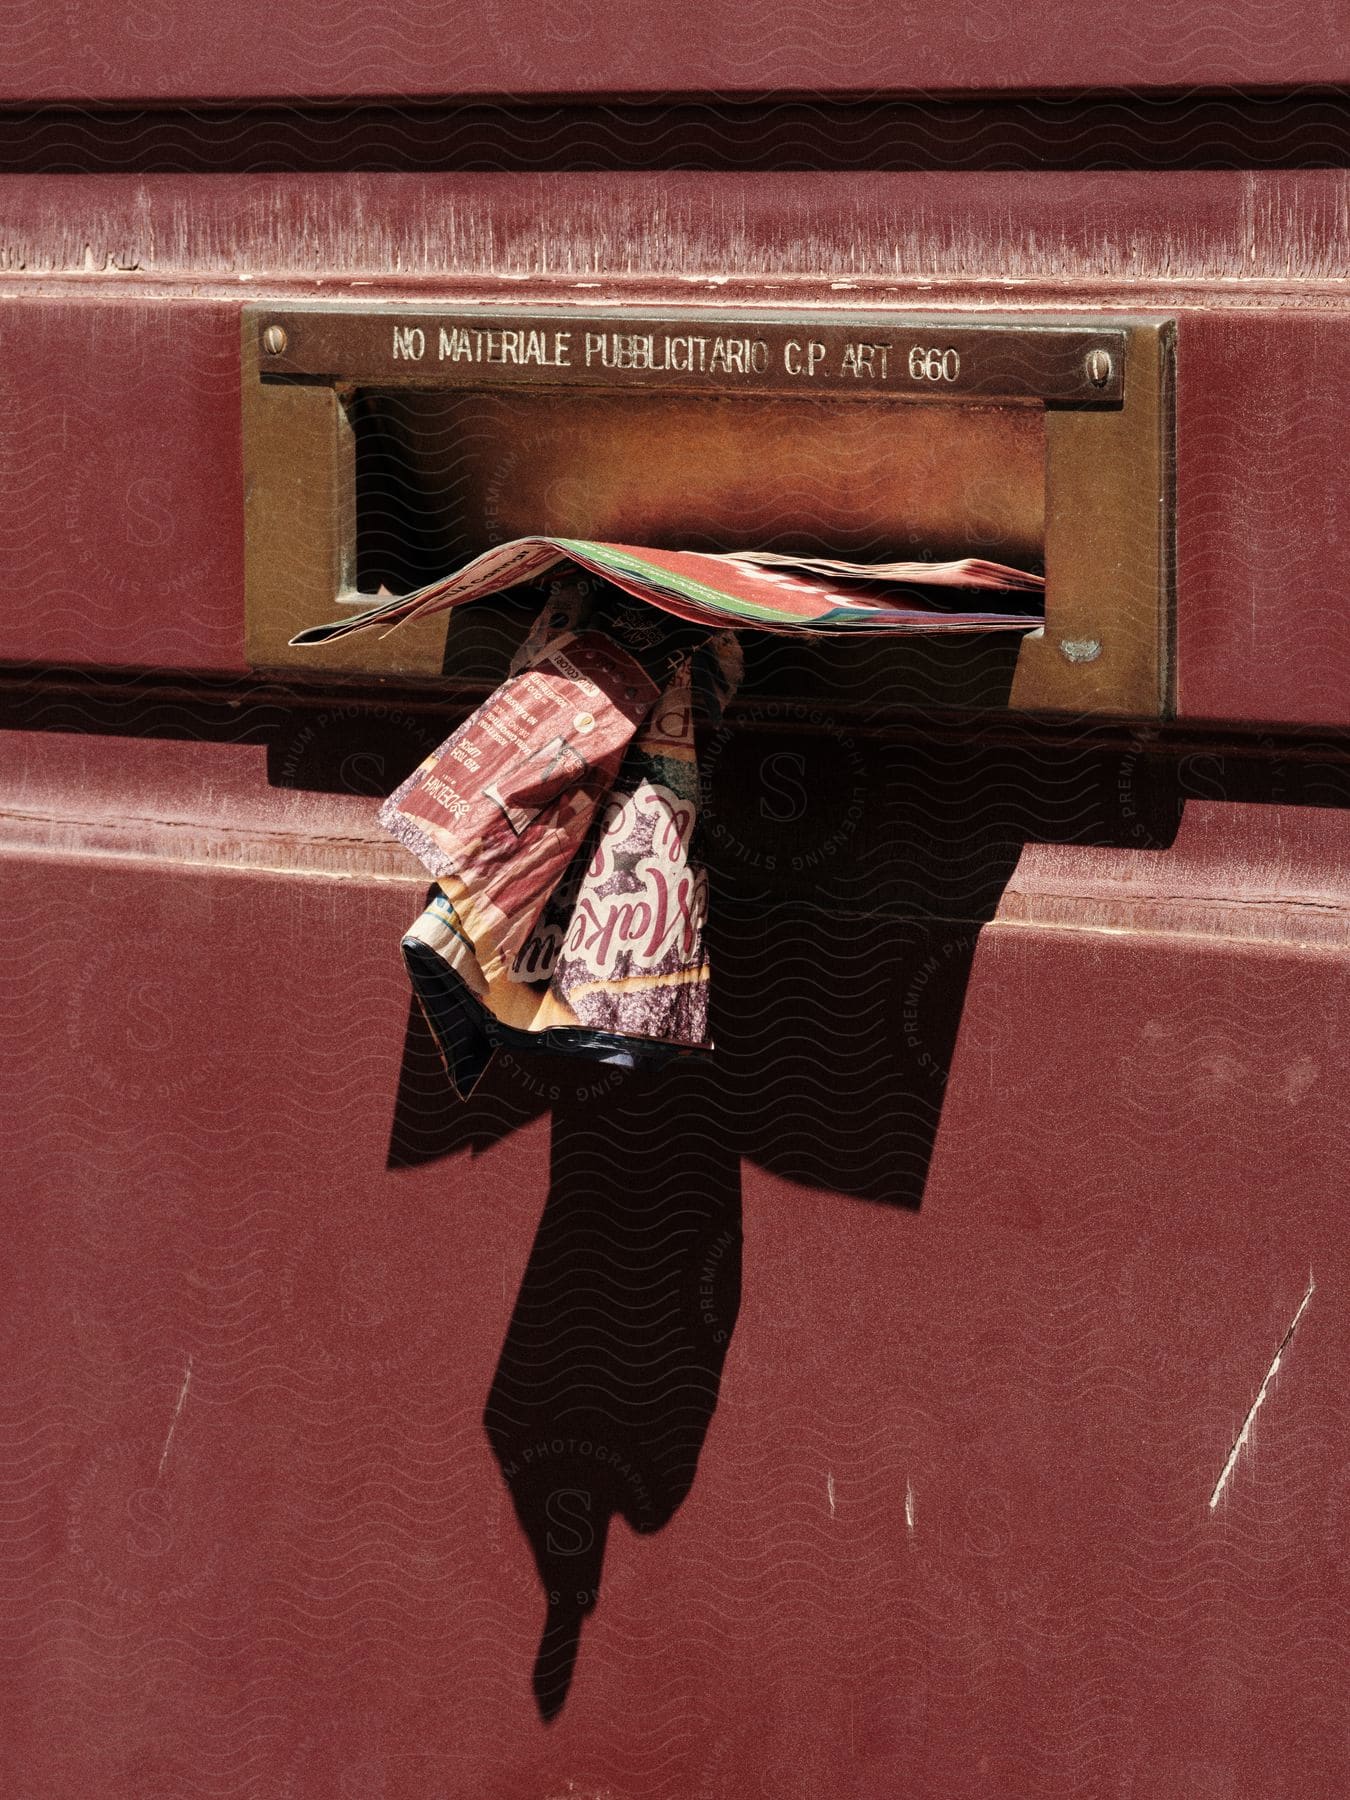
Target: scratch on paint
1256, 1405
909, 1507
173, 1422
829, 1491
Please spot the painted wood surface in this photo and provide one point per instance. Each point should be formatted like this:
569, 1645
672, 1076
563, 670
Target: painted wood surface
941, 1393
158, 51
1023, 1215
118, 319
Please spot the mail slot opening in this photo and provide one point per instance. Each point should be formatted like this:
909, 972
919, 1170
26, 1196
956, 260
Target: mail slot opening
385, 447
440, 477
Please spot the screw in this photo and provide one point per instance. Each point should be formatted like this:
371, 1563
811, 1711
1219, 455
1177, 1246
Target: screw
1100, 368
274, 340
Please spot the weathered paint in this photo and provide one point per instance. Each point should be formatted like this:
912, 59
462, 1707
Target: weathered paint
965, 1378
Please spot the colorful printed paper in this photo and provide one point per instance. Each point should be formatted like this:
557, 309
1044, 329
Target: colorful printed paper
560, 820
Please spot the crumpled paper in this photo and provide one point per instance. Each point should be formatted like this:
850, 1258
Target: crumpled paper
560, 819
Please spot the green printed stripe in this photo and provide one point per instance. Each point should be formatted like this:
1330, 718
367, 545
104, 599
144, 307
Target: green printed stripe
684, 587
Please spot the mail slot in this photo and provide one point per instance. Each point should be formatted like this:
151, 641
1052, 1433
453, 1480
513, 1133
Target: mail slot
383, 446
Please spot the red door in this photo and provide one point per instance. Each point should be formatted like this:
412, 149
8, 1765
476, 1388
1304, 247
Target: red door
939, 1392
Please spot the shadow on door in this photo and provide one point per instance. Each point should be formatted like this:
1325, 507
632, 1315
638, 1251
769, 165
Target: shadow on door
850, 888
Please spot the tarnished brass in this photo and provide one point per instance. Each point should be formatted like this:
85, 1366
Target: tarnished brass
863, 354
871, 435
708, 473
1106, 645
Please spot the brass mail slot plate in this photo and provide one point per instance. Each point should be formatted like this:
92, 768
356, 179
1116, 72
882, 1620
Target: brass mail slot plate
866, 357
385, 444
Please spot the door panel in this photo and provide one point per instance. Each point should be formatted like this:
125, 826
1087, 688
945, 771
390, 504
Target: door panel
939, 1392
124, 542
953, 1520
245, 52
